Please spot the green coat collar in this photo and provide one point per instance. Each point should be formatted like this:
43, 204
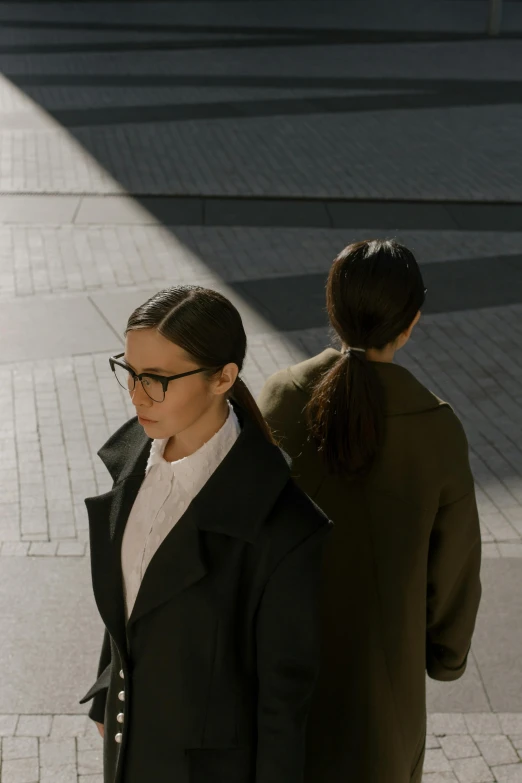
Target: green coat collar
404, 394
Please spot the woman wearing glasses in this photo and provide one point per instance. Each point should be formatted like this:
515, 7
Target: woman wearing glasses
388, 462
205, 564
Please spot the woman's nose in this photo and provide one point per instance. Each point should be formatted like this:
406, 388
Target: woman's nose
140, 397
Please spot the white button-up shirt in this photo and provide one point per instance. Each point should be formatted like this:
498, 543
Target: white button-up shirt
166, 492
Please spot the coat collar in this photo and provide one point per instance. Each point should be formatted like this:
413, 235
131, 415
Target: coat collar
240, 493
404, 394
235, 502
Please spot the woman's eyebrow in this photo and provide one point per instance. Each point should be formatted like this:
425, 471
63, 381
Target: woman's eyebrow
148, 369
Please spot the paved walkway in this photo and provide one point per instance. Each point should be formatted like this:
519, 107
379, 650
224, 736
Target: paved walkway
144, 145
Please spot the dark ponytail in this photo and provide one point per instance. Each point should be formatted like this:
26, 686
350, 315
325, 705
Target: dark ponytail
208, 327
242, 395
373, 294
346, 415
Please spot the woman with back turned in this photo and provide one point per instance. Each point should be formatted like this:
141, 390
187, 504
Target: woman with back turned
388, 462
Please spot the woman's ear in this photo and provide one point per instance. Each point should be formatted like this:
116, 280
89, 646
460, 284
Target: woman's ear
225, 379
405, 336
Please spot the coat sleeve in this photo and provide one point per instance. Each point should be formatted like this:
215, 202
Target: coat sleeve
288, 653
454, 587
100, 689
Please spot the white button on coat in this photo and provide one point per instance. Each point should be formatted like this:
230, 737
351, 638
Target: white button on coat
121, 695
118, 738
120, 717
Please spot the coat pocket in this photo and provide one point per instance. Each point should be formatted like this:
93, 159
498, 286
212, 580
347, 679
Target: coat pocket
101, 684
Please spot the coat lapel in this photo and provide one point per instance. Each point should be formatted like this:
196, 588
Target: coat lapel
177, 563
234, 502
108, 515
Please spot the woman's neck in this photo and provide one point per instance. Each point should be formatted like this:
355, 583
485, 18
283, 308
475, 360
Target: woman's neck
387, 354
187, 442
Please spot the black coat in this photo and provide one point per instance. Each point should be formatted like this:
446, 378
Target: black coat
220, 655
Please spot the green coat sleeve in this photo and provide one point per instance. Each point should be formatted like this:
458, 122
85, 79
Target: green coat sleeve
454, 587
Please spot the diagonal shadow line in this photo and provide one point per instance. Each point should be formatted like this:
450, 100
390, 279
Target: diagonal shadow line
350, 34
297, 302
253, 81
173, 45
183, 112
303, 37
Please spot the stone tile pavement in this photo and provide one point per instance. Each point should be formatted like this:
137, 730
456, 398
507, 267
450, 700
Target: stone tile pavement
460, 748
389, 108
294, 156
49, 749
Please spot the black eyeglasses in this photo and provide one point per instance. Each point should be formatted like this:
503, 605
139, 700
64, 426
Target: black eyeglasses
155, 386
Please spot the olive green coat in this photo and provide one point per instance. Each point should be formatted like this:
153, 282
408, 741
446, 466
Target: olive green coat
401, 583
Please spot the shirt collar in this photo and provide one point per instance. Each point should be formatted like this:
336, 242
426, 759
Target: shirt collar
227, 434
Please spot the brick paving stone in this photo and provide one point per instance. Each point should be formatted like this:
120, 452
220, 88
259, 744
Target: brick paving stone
71, 548
490, 550
443, 724
498, 526
8, 725
19, 748
20, 771
483, 723
43, 549
56, 753
92, 741
516, 740
34, 726
90, 761
458, 746
511, 723
439, 777
65, 774
510, 550
9, 524
14, 549
509, 773
69, 726
473, 770
436, 761
496, 749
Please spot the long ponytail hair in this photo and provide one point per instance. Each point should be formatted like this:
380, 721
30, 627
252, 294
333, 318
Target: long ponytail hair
373, 294
208, 327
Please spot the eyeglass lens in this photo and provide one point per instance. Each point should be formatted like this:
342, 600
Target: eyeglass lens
153, 387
